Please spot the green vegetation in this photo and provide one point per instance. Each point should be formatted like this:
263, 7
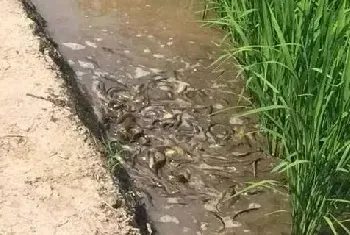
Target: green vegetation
295, 56
114, 153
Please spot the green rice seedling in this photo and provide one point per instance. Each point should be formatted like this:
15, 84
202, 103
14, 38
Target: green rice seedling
295, 56
114, 153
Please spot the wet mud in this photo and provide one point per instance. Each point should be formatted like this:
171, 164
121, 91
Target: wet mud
145, 68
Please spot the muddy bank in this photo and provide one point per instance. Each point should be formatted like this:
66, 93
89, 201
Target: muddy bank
82, 107
145, 69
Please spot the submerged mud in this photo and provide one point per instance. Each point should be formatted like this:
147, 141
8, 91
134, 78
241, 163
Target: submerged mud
145, 68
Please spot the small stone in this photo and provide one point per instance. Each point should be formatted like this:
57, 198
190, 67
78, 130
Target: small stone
218, 106
235, 121
169, 43
209, 207
204, 226
147, 50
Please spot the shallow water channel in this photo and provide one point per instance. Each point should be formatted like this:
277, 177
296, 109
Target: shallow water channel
145, 64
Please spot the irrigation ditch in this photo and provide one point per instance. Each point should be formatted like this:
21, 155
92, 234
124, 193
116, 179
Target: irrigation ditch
147, 92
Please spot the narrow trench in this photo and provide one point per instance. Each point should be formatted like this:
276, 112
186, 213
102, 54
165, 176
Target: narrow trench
139, 74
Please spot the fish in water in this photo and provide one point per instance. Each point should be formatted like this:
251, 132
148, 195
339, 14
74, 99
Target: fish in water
100, 101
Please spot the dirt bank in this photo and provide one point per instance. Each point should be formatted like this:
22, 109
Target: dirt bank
51, 179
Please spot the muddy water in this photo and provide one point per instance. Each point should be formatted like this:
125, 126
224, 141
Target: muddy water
146, 67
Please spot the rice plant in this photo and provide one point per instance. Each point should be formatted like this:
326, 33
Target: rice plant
295, 56
114, 153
